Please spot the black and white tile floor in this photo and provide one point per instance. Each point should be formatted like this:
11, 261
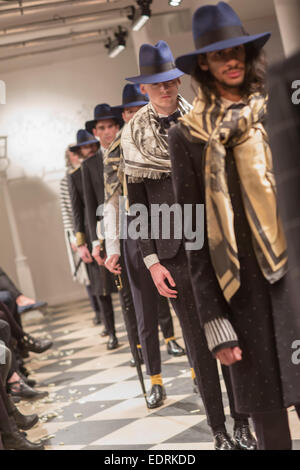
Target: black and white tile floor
95, 400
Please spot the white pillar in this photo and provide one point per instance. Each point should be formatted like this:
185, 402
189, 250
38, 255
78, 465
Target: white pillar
23, 270
288, 17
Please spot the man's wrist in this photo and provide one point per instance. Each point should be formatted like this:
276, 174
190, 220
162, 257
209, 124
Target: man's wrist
150, 260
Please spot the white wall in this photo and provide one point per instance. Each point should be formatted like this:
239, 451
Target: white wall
46, 104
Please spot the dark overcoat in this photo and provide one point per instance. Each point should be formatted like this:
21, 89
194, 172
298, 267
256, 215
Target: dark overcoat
265, 379
100, 279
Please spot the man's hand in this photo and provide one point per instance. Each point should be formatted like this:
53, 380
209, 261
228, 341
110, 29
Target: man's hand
112, 264
22, 301
84, 254
229, 356
96, 255
159, 273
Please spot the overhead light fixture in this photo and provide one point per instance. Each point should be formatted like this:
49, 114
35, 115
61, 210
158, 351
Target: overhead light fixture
142, 15
175, 3
117, 45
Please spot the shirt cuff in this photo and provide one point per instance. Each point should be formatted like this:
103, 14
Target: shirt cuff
150, 260
95, 243
218, 332
112, 246
80, 238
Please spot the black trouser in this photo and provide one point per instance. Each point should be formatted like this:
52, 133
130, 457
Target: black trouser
205, 366
272, 430
6, 315
5, 336
5, 425
9, 300
94, 303
107, 313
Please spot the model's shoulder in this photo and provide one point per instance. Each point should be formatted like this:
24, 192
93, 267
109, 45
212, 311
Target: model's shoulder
72, 172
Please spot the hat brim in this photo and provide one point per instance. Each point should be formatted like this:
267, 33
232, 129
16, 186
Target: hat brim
187, 62
87, 142
157, 77
134, 103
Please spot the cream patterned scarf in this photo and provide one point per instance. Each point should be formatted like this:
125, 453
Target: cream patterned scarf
239, 127
145, 144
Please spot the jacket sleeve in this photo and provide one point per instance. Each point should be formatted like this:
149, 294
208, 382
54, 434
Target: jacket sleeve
189, 189
77, 210
137, 195
7, 284
90, 200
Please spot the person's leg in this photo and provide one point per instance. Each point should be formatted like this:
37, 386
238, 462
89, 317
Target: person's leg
9, 300
272, 430
202, 361
165, 322
6, 315
94, 305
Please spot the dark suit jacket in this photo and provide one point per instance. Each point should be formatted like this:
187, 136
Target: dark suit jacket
284, 132
7, 284
156, 192
93, 189
77, 201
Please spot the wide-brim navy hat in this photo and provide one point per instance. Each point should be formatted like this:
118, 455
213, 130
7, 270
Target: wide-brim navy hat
156, 64
217, 27
132, 96
83, 137
102, 112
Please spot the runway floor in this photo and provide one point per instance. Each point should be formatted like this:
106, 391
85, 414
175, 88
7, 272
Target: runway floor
95, 400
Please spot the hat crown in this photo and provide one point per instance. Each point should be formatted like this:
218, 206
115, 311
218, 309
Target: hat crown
155, 55
102, 110
83, 136
132, 93
210, 18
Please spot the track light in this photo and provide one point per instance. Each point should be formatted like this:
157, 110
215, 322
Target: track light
142, 15
118, 44
175, 3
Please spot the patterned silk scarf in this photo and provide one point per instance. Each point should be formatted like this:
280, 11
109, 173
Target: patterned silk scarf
240, 128
148, 156
112, 158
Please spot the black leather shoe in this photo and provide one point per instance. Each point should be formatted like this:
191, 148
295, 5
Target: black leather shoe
17, 441
21, 390
25, 422
174, 349
195, 387
156, 397
140, 356
223, 441
244, 438
104, 332
27, 380
35, 345
112, 342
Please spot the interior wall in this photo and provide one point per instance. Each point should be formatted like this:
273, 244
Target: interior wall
45, 106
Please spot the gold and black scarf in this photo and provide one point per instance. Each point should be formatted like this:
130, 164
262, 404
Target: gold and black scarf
240, 128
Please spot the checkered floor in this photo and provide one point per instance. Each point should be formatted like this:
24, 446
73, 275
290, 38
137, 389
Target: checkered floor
95, 400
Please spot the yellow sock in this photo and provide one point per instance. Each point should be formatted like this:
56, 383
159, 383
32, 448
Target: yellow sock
156, 379
193, 373
169, 339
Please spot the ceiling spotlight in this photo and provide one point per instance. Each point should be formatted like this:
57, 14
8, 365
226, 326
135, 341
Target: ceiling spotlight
142, 15
117, 45
175, 3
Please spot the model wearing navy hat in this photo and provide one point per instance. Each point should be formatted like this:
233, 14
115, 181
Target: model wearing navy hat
156, 64
239, 282
103, 112
83, 138
164, 270
101, 283
217, 27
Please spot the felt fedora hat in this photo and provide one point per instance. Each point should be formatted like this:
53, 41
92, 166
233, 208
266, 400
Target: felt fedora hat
83, 137
101, 112
132, 96
156, 64
217, 27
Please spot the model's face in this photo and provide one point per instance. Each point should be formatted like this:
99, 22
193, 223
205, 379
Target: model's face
88, 150
162, 95
128, 113
227, 66
106, 131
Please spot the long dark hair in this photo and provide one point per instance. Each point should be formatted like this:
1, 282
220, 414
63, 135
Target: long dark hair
255, 76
